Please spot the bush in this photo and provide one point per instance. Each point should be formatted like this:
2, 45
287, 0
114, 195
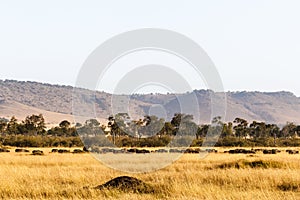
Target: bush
40, 141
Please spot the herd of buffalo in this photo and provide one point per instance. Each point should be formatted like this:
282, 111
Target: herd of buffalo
145, 151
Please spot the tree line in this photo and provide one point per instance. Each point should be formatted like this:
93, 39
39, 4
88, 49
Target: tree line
148, 131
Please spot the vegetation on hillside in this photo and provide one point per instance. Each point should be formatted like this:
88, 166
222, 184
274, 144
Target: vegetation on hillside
277, 107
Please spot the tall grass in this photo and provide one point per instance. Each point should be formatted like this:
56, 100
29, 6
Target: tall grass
73, 176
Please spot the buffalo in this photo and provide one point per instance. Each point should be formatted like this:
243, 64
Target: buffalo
63, 151
241, 151
4, 150
292, 151
21, 150
37, 152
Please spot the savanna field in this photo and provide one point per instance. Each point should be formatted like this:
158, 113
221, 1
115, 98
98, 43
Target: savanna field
217, 176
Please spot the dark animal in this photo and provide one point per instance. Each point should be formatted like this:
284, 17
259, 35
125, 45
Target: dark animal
54, 150
4, 150
21, 150
189, 150
292, 151
176, 151
131, 150
211, 150
63, 151
243, 151
85, 149
161, 151
271, 151
142, 151
37, 152
78, 151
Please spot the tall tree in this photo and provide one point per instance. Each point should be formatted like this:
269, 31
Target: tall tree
92, 127
118, 124
240, 127
12, 126
35, 124
3, 125
289, 130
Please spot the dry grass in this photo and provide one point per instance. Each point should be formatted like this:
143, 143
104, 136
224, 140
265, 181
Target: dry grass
73, 176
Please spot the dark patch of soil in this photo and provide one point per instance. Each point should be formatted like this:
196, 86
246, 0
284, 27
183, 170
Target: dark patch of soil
127, 184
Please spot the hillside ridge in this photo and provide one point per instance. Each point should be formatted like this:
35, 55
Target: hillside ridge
272, 107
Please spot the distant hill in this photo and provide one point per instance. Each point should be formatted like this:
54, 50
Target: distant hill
20, 99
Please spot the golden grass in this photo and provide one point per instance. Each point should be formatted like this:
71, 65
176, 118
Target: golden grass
66, 176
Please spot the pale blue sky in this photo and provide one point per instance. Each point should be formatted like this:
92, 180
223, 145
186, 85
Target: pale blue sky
254, 44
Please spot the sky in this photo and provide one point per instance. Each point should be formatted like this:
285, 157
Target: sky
255, 45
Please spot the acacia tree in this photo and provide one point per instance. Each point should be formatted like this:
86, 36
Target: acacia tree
225, 131
152, 125
64, 129
34, 124
202, 131
258, 130
167, 129
240, 127
92, 127
183, 122
217, 127
273, 131
65, 124
3, 125
289, 130
118, 124
12, 126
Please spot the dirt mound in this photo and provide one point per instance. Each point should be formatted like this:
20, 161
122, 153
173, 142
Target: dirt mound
127, 184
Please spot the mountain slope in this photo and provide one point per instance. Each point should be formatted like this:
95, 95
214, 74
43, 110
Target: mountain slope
20, 111
55, 102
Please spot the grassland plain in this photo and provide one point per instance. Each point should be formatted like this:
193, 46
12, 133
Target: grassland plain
218, 176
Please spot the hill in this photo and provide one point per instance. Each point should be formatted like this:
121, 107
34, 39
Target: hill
21, 98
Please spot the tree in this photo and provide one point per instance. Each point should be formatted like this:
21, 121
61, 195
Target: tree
167, 129
258, 130
118, 125
274, 131
289, 130
12, 126
152, 125
3, 125
216, 128
65, 124
92, 126
183, 122
229, 129
35, 124
240, 127
180, 118
202, 131
63, 129
136, 126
